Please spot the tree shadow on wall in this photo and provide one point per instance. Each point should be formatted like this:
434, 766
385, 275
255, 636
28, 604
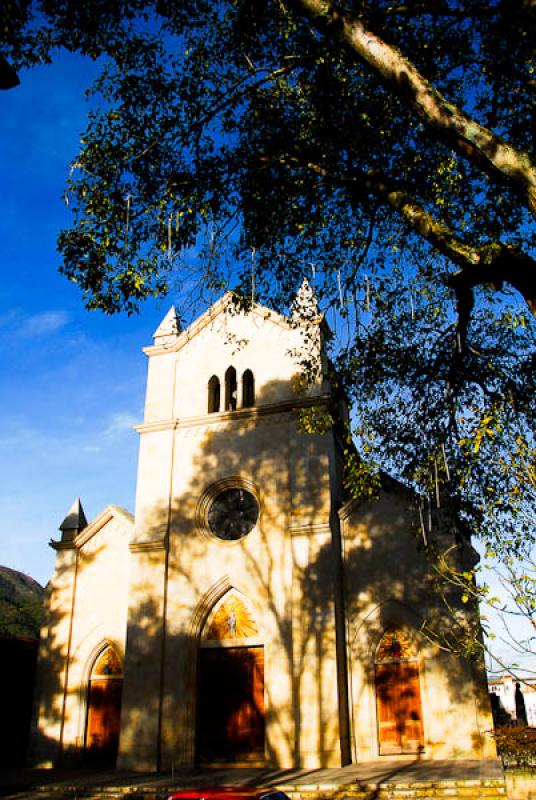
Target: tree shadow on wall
285, 567
390, 583
288, 567
54, 685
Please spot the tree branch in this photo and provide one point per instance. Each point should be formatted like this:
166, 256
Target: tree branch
495, 263
474, 142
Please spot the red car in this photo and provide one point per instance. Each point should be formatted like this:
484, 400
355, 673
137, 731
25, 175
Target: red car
230, 793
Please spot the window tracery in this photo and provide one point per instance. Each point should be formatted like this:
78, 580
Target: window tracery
231, 391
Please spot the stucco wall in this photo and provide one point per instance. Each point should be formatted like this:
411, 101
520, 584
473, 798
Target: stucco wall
284, 566
389, 582
87, 608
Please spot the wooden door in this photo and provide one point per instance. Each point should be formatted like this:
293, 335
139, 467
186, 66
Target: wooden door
103, 720
230, 716
398, 694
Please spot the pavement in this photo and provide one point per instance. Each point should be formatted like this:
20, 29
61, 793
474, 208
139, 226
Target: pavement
14, 780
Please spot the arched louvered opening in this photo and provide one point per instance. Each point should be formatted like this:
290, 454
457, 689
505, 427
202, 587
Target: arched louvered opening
213, 394
398, 694
231, 389
248, 389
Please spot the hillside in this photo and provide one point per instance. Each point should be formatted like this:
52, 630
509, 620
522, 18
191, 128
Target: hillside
21, 604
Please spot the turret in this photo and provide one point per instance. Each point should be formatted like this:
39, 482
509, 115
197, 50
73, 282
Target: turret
74, 522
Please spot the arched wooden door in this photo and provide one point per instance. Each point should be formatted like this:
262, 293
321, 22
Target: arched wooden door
230, 687
398, 695
104, 709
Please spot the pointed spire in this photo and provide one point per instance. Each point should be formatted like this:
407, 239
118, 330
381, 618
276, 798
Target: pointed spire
74, 522
169, 328
305, 305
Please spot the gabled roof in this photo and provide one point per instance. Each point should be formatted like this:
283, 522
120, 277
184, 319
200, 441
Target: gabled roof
173, 343
96, 524
388, 485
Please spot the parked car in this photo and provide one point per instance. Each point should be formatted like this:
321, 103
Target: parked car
230, 793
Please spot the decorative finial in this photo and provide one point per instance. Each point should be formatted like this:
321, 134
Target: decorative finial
74, 522
169, 328
305, 305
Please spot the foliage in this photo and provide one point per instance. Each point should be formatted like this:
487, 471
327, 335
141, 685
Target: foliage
269, 116
314, 419
459, 430
386, 150
516, 745
21, 604
361, 479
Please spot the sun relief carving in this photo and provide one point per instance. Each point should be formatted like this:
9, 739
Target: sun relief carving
232, 620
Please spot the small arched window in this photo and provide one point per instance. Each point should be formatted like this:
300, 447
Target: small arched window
230, 389
213, 394
248, 389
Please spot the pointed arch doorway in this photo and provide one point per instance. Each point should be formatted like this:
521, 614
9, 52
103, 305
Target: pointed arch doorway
105, 688
230, 686
398, 694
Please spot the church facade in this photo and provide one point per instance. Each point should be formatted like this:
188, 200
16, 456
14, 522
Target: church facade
247, 613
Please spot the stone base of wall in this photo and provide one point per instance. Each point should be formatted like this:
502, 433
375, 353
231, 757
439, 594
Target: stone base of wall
418, 790
521, 785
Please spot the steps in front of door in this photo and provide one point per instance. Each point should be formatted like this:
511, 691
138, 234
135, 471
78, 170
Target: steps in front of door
418, 790
429, 790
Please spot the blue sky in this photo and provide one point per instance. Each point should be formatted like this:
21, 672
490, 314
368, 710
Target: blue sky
71, 381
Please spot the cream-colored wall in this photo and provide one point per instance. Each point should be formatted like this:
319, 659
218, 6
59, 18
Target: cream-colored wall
283, 567
100, 616
52, 662
160, 387
153, 485
140, 712
244, 343
270, 347
92, 579
388, 581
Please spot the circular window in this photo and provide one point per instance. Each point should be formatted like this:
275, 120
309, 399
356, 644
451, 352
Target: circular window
232, 514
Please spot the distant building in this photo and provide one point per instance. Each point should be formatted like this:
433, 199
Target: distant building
504, 687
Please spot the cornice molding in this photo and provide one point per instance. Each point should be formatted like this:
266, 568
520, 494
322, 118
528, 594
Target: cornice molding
241, 414
154, 546
62, 545
309, 528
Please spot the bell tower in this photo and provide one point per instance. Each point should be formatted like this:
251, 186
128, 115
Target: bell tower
236, 516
